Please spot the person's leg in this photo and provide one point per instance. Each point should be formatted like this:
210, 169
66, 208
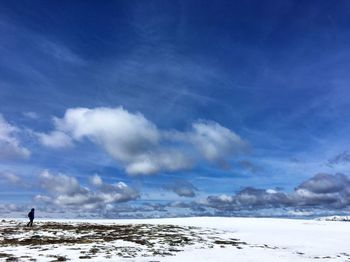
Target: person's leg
31, 222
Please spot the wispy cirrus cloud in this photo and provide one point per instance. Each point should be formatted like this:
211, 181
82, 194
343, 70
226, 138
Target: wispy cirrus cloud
10, 177
31, 115
55, 139
340, 159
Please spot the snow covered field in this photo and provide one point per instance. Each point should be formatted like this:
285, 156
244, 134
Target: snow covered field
178, 239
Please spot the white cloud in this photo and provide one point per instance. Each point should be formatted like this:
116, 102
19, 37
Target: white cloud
323, 191
182, 188
60, 184
10, 147
216, 142
271, 191
55, 139
63, 190
225, 198
10, 178
138, 145
95, 180
153, 162
122, 134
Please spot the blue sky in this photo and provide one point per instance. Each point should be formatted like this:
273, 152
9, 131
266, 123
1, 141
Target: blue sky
185, 104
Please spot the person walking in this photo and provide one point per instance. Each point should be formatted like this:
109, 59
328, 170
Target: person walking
31, 217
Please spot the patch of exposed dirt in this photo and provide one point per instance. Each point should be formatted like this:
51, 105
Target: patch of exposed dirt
93, 240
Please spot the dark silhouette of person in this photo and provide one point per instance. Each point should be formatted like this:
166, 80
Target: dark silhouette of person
31, 217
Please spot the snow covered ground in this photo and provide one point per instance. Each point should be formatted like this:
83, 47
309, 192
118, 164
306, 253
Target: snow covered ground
178, 239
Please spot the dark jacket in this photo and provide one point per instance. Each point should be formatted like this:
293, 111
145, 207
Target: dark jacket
31, 214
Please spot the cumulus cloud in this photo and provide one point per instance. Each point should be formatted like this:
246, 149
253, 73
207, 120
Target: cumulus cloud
325, 183
10, 147
325, 190
214, 141
60, 184
96, 180
250, 198
139, 145
321, 191
63, 190
159, 160
182, 188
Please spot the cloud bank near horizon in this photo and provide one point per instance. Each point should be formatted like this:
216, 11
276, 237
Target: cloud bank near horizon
323, 190
321, 194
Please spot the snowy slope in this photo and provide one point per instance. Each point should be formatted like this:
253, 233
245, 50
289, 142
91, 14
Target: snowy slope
206, 239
